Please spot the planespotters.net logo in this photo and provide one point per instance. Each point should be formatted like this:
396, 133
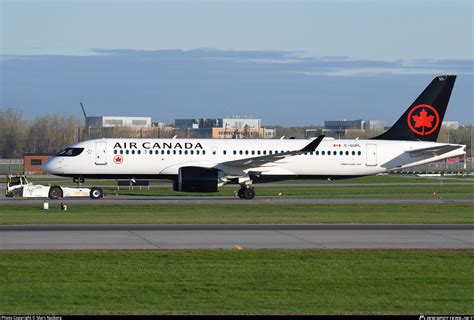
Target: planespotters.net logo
423, 119
424, 317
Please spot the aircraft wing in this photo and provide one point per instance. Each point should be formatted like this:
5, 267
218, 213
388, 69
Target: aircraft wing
433, 151
255, 162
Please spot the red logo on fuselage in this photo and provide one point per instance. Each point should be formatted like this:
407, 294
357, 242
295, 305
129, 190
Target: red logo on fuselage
423, 119
118, 159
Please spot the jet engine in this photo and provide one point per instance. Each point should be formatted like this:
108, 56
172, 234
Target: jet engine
196, 179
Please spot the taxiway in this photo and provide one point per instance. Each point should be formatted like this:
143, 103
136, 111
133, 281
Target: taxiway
329, 236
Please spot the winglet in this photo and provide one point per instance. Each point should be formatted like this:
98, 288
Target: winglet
313, 144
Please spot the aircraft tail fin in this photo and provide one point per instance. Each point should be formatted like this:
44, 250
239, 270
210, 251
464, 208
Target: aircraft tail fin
422, 120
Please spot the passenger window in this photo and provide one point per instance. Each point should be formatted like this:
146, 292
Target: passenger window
246, 152
224, 152
322, 153
347, 153
138, 151
115, 151
258, 152
174, 151
317, 153
253, 152
270, 152
235, 152
264, 152
359, 153
191, 152
121, 151
197, 152
127, 152
185, 151
353, 153
240, 152
341, 153
203, 152
133, 151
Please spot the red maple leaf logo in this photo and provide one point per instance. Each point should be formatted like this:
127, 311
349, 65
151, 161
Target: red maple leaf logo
423, 120
118, 159
426, 122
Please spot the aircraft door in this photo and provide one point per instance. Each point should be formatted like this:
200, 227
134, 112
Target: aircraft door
371, 154
101, 153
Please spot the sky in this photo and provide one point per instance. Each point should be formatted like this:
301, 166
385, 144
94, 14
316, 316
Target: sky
287, 62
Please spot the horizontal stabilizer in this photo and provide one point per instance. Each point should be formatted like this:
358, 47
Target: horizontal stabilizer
434, 151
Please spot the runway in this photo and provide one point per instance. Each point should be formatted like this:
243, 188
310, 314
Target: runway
323, 236
129, 200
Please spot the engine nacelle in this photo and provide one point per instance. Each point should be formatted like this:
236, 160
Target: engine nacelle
196, 179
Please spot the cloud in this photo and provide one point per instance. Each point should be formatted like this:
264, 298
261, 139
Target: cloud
281, 87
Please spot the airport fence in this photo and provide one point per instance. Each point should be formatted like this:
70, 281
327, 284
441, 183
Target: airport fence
11, 166
452, 165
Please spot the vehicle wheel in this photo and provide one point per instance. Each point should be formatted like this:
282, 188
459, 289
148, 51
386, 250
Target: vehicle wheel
96, 193
241, 193
55, 193
249, 193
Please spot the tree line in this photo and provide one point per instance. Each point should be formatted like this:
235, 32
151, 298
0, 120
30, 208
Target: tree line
43, 134
50, 133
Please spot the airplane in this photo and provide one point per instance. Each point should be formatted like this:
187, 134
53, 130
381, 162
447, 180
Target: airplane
205, 165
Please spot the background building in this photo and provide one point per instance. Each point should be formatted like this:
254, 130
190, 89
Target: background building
353, 128
225, 128
450, 125
32, 162
114, 121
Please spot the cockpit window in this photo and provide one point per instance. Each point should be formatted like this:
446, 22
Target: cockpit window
70, 152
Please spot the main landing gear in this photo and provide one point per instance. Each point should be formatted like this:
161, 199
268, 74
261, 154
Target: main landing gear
246, 192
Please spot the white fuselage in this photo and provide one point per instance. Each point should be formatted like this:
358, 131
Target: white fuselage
162, 158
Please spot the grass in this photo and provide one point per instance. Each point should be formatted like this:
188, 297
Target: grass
447, 187
237, 282
405, 191
236, 213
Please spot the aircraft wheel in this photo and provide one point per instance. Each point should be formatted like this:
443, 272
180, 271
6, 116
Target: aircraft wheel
55, 193
96, 193
249, 193
241, 193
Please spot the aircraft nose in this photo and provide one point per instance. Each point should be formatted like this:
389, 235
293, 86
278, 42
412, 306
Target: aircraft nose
46, 167
51, 166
